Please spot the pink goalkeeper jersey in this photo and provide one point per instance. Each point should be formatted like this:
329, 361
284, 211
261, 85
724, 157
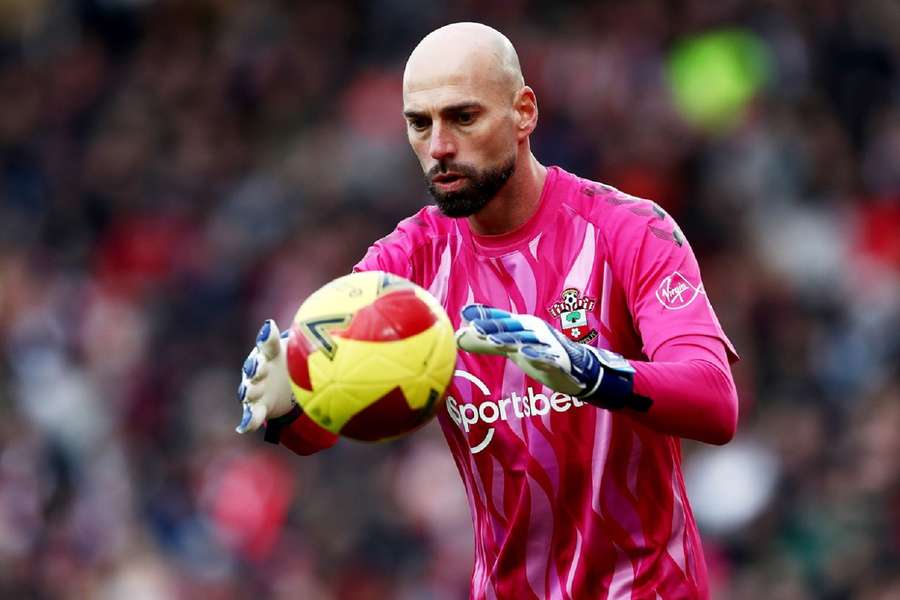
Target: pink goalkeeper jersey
568, 500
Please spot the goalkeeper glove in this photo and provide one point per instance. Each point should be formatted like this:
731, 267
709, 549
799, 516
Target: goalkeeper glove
598, 376
265, 390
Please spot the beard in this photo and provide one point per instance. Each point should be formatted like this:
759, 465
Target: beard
480, 188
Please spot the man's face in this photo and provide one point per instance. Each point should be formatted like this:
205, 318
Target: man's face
462, 129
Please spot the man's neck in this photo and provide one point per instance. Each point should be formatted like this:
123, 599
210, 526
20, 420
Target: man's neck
517, 202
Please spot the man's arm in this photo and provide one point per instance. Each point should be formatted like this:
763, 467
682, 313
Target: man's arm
300, 434
687, 390
691, 389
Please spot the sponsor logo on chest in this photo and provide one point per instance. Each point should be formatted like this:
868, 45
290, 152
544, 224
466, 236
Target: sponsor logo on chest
477, 420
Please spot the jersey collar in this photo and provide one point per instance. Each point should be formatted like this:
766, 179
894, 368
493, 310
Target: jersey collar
497, 245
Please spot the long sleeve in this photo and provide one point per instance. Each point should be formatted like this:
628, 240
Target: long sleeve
300, 434
690, 383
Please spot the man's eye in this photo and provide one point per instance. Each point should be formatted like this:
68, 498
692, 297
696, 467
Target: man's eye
465, 118
419, 124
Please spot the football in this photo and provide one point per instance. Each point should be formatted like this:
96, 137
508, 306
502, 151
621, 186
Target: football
370, 356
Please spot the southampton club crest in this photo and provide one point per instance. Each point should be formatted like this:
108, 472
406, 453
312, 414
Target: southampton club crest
572, 309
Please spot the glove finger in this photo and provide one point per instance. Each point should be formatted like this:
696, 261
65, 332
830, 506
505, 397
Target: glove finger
254, 416
262, 369
512, 342
268, 339
502, 344
539, 358
489, 326
471, 312
254, 392
471, 341
543, 367
520, 338
251, 365
534, 368
246, 417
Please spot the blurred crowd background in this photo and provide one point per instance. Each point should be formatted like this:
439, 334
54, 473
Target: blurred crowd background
173, 172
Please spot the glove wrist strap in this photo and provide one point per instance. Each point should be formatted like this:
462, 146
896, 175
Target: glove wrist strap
615, 389
276, 425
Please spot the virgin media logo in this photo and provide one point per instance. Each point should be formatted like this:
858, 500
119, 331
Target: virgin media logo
676, 292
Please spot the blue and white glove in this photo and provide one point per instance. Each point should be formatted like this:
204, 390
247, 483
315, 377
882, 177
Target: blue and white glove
265, 390
595, 375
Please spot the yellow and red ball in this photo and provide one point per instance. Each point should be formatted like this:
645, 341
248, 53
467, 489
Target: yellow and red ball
370, 356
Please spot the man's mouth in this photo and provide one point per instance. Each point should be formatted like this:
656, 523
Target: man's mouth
448, 182
446, 177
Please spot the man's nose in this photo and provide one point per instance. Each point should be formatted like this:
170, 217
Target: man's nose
442, 143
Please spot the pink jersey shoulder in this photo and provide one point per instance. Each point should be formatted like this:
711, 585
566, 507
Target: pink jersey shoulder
622, 218
394, 252
652, 260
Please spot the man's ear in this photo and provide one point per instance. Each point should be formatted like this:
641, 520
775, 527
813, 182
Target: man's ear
526, 111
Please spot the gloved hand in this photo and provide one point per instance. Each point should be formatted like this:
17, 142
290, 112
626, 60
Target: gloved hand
265, 390
595, 375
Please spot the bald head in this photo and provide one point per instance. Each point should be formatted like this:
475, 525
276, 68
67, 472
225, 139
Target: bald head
464, 54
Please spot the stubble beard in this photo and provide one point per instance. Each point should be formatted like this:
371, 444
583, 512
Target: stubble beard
480, 188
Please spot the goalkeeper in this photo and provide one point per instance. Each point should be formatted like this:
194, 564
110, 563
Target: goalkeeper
590, 345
